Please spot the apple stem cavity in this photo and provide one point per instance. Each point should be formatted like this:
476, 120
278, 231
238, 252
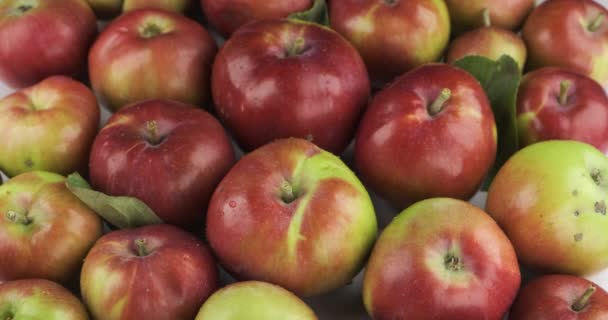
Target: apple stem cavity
453, 263
22, 7
596, 23
487, 20
288, 194
140, 245
152, 129
17, 218
582, 302
151, 30
439, 103
296, 48
564, 87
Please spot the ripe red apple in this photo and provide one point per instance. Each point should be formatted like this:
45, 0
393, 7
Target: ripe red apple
393, 37
560, 297
40, 38
45, 231
279, 78
571, 34
49, 126
165, 153
431, 133
441, 259
154, 272
555, 103
107, 9
468, 15
39, 299
294, 215
229, 15
152, 54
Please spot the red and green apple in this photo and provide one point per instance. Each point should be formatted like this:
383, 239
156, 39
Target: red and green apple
107, 9
468, 15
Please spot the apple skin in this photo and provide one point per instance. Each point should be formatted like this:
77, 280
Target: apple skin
173, 170
254, 300
468, 15
229, 15
292, 214
406, 154
557, 34
490, 42
548, 202
152, 54
39, 299
44, 38
51, 230
554, 296
107, 9
583, 116
393, 37
263, 92
49, 126
409, 275
170, 279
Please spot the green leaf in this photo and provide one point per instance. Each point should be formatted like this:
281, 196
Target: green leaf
500, 80
122, 212
317, 14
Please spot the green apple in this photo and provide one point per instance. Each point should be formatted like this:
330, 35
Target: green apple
551, 199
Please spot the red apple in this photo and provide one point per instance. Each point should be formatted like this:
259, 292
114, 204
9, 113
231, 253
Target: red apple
468, 15
292, 214
152, 54
555, 103
39, 299
49, 126
107, 9
393, 37
165, 153
429, 134
40, 38
279, 78
45, 231
154, 272
561, 297
229, 15
441, 259
571, 34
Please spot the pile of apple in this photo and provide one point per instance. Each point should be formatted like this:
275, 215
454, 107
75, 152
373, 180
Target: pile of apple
425, 92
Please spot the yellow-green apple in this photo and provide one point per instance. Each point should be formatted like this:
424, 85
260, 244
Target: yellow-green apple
229, 15
564, 297
468, 15
254, 300
41, 38
107, 9
570, 34
292, 214
550, 199
152, 54
559, 104
431, 133
45, 231
393, 36
32, 299
168, 154
49, 126
154, 272
441, 258
279, 78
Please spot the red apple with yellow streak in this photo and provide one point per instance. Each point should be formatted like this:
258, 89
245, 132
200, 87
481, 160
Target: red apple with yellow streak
468, 15
106, 9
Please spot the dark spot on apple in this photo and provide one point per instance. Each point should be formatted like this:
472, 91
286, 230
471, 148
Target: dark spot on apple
600, 207
578, 237
25, 8
575, 192
29, 163
391, 2
577, 213
597, 177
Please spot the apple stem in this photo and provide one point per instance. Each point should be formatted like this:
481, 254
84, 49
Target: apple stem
439, 103
151, 30
152, 128
287, 192
140, 244
564, 87
487, 20
596, 23
296, 47
582, 302
17, 217
453, 263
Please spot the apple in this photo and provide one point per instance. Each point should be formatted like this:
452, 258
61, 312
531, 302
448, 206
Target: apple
570, 34
45, 231
168, 154
560, 297
392, 36
441, 258
49, 126
292, 214
107, 9
41, 38
39, 299
152, 54
468, 15
229, 15
279, 78
254, 300
558, 104
431, 133
550, 199
153, 272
